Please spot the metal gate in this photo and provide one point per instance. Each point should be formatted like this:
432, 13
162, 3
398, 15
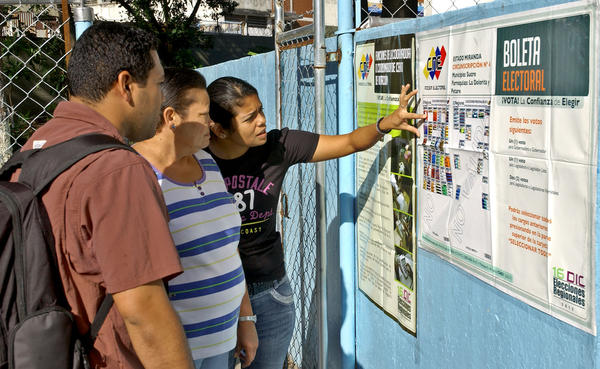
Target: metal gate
299, 222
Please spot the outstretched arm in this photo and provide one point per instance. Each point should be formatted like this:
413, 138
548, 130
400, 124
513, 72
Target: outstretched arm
332, 147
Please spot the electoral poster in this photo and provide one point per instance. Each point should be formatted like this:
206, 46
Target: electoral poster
508, 156
385, 182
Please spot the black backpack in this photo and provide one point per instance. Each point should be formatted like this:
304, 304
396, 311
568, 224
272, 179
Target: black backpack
37, 329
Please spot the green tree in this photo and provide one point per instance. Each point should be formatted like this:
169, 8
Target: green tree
177, 32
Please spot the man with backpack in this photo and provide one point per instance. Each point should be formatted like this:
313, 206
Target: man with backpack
106, 211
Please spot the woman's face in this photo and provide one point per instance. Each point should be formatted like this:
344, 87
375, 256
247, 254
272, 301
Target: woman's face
249, 123
193, 128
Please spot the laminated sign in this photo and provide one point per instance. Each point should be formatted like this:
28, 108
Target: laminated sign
385, 180
508, 154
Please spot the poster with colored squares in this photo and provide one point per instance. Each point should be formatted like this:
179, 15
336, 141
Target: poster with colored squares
507, 158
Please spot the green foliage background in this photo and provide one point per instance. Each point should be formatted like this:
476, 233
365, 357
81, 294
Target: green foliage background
33, 70
177, 32
33, 79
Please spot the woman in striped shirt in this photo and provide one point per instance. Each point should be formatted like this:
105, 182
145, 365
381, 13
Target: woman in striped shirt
211, 293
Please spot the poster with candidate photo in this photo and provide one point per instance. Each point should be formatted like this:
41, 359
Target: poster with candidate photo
386, 182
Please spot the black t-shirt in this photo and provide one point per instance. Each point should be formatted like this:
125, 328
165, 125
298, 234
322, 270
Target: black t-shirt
254, 179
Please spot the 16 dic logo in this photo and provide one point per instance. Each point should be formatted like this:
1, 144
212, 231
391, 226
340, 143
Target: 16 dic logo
573, 278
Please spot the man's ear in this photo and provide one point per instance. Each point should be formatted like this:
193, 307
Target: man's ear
124, 86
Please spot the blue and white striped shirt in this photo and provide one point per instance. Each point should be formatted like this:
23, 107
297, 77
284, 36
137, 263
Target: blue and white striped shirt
205, 226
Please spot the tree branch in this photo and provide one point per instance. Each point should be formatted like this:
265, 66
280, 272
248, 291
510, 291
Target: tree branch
130, 10
147, 9
193, 14
137, 13
166, 10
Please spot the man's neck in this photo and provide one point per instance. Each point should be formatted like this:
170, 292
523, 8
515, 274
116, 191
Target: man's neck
106, 109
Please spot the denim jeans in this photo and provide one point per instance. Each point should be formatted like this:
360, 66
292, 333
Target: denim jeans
275, 313
215, 362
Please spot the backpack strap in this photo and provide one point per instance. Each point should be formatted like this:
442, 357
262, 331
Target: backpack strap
15, 161
101, 315
20, 157
42, 166
87, 340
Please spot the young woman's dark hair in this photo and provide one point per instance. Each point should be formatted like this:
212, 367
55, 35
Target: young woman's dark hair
102, 52
177, 82
226, 94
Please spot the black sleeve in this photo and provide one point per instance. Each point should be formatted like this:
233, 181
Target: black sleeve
299, 146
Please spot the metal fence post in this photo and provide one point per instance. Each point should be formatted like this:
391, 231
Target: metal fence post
279, 27
319, 65
83, 17
346, 184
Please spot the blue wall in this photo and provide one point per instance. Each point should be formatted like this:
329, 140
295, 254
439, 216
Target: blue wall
461, 321
259, 71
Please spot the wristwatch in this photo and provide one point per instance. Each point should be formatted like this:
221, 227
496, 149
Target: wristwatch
248, 318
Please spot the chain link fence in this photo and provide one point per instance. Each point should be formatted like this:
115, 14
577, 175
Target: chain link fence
32, 68
378, 12
299, 222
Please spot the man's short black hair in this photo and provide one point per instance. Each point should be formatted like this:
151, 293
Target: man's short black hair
102, 52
